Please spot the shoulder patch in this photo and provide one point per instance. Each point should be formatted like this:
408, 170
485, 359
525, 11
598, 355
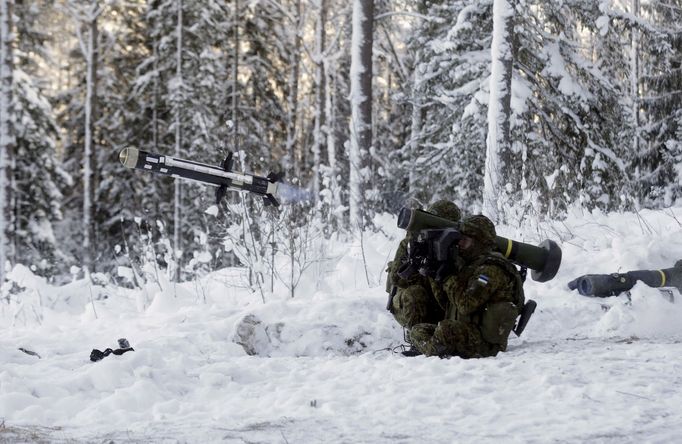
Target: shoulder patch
483, 279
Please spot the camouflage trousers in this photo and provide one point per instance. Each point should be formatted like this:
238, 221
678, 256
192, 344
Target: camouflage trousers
451, 338
415, 305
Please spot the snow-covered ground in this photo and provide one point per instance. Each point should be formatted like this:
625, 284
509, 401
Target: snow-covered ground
319, 366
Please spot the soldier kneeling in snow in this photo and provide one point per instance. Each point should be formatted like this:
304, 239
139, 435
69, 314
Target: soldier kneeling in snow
484, 298
418, 299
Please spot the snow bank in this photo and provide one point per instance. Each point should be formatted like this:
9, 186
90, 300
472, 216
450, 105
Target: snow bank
212, 361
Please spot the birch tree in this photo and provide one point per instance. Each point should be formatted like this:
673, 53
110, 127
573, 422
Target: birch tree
361, 107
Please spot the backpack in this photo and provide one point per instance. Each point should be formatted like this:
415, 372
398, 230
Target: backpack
499, 318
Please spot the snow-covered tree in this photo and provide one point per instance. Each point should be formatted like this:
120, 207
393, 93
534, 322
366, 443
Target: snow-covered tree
90, 52
567, 114
656, 31
7, 141
334, 168
320, 93
391, 112
499, 111
448, 98
37, 176
79, 115
361, 108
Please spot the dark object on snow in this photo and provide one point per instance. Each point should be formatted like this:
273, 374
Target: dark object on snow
526, 312
604, 285
124, 346
436, 237
411, 352
407, 349
221, 177
30, 352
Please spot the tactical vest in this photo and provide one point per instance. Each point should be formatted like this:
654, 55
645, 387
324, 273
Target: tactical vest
495, 258
496, 319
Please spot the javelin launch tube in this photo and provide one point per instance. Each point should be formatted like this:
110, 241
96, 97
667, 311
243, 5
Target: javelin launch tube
544, 259
604, 285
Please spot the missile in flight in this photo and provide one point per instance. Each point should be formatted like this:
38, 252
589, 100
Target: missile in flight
221, 177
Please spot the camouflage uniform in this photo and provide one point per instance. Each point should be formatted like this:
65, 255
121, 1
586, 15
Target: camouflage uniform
484, 299
418, 299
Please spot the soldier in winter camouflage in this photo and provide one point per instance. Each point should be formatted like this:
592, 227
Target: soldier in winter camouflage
418, 299
482, 300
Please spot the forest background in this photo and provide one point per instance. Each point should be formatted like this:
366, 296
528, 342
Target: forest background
370, 105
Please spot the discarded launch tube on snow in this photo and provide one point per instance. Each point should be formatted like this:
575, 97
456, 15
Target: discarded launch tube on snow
604, 285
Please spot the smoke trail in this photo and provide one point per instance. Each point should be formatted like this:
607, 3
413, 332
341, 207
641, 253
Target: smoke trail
292, 194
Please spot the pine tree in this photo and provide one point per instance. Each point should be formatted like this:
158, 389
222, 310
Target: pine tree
37, 176
125, 120
659, 88
569, 116
79, 117
391, 112
334, 195
444, 156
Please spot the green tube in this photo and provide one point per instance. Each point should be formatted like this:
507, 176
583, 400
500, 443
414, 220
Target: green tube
544, 259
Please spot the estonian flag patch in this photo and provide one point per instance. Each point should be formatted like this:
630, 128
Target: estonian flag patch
483, 279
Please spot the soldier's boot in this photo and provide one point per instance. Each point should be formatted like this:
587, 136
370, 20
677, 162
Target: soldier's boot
421, 337
409, 350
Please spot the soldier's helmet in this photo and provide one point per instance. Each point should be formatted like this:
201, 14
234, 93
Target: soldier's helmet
445, 209
480, 229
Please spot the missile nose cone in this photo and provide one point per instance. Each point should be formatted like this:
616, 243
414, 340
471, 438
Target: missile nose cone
123, 155
128, 157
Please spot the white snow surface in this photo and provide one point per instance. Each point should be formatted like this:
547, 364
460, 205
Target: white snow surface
585, 370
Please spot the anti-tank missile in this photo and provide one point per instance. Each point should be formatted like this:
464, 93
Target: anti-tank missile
544, 260
222, 177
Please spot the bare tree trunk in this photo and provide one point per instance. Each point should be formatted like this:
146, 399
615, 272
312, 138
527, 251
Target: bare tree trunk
499, 110
292, 114
634, 79
330, 113
89, 154
320, 83
7, 140
361, 106
155, 105
416, 126
177, 214
235, 80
